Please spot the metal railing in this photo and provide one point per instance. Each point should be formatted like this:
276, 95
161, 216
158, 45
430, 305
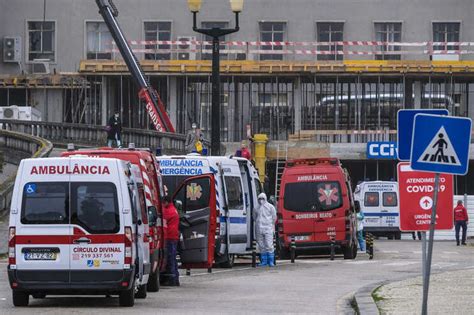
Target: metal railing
26, 145
93, 135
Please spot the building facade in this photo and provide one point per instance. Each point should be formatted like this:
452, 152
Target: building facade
298, 70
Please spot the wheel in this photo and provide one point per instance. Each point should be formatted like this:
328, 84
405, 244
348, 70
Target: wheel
391, 236
20, 298
141, 294
127, 297
153, 284
350, 251
229, 263
38, 295
398, 235
283, 253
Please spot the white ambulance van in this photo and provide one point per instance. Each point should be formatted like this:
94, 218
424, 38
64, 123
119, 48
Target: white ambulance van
379, 200
76, 227
230, 185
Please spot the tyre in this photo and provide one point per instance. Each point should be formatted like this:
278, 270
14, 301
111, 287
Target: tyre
141, 294
127, 297
391, 236
229, 263
20, 298
153, 284
38, 295
398, 235
283, 253
350, 251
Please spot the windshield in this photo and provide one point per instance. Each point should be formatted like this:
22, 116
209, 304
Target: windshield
312, 196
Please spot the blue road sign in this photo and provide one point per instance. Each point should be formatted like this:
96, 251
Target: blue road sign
405, 128
382, 150
441, 144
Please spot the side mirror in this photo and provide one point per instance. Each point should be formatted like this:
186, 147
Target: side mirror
152, 215
357, 206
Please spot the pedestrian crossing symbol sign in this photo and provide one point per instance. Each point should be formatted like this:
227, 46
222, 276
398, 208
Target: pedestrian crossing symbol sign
441, 144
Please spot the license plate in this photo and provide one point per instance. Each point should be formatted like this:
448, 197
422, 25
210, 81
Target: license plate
301, 237
43, 255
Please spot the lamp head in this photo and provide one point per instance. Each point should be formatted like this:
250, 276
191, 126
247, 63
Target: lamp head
194, 5
236, 5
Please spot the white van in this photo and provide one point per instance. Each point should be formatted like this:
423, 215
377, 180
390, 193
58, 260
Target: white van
76, 227
231, 183
379, 200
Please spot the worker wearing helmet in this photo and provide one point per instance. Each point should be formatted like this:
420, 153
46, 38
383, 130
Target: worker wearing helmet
265, 218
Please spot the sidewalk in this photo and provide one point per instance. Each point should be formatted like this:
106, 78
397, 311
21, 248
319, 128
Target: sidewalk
450, 293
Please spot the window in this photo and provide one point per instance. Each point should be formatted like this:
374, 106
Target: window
272, 32
390, 199
95, 207
312, 196
45, 203
208, 56
329, 32
197, 194
388, 33
157, 31
233, 186
99, 41
371, 199
41, 40
258, 186
445, 33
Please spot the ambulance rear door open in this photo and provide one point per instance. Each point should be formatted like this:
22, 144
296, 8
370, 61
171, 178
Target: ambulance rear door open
197, 196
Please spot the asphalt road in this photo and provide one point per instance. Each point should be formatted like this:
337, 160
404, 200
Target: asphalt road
311, 285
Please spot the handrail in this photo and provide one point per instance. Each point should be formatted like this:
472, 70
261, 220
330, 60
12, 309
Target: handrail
93, 135
32, 146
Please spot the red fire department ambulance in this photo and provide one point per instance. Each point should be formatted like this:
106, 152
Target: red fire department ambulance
77, 227
316, 207
150, 189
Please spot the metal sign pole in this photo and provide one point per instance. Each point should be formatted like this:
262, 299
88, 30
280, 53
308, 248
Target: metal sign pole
426, 280
423, 255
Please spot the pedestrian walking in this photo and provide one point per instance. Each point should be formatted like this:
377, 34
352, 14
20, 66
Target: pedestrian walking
114, 131
461, 220
265, 218
360, 225
171, 217
414, 235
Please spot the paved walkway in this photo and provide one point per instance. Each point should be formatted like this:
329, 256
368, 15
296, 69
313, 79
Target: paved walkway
450, 293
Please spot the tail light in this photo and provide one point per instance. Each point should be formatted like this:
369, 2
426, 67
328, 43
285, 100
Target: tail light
128, 247
218, 224
11, 246
280, 222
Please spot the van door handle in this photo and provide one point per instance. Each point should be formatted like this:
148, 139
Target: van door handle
82, 240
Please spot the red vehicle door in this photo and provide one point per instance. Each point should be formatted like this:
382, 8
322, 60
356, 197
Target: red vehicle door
195, 200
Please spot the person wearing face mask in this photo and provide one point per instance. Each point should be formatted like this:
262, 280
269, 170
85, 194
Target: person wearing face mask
265, 217
114, 131
194, 140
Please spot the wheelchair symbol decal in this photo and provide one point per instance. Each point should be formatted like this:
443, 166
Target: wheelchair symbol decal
30, 188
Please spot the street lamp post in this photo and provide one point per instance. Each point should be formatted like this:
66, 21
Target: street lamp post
215, 33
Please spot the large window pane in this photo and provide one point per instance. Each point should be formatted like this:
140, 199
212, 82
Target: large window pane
99, 41
41, 40
330, 32
157, 31
45, 203
444, 33
388, 33
272, 32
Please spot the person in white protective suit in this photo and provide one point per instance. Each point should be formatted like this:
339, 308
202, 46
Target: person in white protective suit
265, 217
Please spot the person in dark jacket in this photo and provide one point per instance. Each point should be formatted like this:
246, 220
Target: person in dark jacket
461, 219
171, 218
114, 131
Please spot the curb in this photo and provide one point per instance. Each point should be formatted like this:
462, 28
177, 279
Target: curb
364, 301
363, 296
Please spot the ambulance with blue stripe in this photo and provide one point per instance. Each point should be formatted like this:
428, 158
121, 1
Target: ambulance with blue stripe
379, 202
216, 196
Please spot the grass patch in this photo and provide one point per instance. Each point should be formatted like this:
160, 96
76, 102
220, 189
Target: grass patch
376, 296
3, 256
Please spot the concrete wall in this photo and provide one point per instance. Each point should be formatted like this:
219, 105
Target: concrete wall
300, 15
